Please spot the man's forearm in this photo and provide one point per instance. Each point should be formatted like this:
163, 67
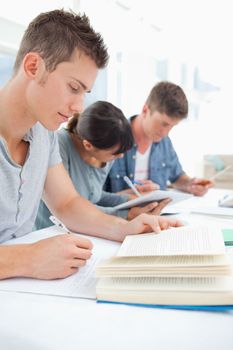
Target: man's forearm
80, 215
14, 261
182, 183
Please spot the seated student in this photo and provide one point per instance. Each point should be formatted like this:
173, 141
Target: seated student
57, 63
153, 159
88, 147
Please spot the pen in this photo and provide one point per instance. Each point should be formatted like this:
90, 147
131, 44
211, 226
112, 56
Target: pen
58, 223
131, 185
221, 172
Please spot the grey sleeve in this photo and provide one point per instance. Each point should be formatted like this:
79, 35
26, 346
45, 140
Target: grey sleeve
63, 147
54, 157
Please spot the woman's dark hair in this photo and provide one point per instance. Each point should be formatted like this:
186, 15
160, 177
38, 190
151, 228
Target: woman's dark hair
104, 126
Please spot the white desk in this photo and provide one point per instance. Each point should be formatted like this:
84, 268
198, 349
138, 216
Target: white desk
38, 322
41, 322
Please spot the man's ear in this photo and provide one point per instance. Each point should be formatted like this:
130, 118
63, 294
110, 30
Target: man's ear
87, 145
145, 110
33, 66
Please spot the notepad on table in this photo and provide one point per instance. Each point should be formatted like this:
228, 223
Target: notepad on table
154, 196
179, 266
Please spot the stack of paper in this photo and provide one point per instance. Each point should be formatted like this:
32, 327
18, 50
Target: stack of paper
179, 266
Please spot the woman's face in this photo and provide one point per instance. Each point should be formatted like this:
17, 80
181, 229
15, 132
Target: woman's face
102, 155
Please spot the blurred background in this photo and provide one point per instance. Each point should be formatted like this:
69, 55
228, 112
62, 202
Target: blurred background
187, 42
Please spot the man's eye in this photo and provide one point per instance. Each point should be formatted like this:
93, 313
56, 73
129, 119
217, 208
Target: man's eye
74, 89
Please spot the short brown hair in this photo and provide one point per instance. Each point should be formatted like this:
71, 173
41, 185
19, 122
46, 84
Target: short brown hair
56, 34
168, 98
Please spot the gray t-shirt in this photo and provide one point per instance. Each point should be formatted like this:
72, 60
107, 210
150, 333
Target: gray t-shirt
22, 186
87, 180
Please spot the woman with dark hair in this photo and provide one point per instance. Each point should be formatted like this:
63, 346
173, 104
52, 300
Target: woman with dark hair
88, 147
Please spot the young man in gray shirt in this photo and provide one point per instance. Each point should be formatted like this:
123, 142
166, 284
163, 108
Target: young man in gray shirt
57, 63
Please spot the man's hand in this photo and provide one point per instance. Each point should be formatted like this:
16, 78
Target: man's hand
154, 208
147, 223
199, 187
58, 257
146, 186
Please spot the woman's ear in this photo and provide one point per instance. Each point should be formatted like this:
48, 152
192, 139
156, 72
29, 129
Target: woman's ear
87, 145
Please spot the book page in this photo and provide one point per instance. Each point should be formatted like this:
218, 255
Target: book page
151, 266
186, 240
173, 284
165, 261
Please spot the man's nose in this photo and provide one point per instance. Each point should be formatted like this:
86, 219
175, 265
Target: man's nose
77, 104
120, 155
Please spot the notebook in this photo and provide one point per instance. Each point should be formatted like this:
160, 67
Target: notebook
154, 196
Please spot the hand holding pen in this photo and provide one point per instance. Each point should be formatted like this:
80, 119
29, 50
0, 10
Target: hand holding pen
146, 186
154, 208
199, 187
58, 223
58, 256
131, 185
141, 187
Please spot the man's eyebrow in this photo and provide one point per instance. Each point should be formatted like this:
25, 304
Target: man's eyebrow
82, 84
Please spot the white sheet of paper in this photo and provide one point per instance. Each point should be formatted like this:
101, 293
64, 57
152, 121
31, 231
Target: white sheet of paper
208, 204
80, 285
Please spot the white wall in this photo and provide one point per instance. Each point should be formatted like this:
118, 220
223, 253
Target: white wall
194, 33
197, 34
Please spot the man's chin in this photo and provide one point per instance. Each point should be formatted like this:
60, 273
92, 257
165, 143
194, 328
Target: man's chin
53, 127
157, 139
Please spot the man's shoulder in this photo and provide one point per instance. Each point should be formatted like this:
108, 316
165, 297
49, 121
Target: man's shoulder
39, 129
63, 135
118, 165
42, 137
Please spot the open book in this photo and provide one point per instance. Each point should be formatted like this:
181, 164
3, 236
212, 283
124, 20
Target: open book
179, 266
154, 196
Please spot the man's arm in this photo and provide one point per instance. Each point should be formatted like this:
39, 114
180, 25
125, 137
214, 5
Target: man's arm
55, 257
79, 215
63, 255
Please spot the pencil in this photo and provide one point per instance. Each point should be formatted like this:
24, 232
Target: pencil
221, 172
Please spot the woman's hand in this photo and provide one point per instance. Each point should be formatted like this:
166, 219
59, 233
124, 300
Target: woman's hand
154, 208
